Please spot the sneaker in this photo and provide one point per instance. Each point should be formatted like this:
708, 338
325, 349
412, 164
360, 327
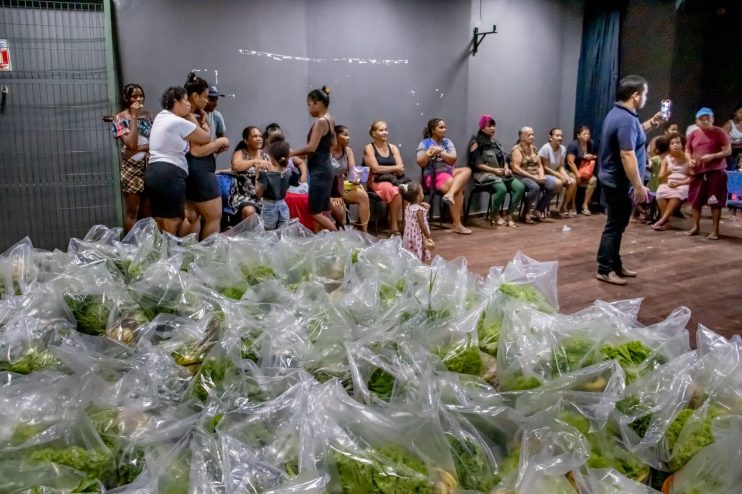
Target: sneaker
611, 278
627, 273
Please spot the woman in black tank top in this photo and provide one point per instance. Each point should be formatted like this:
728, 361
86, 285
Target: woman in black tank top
203, 198
383, 159
319, 143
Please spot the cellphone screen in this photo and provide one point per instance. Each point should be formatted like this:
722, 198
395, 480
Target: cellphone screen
665, 109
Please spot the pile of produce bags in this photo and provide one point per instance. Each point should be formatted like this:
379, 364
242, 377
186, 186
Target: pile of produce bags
286, 362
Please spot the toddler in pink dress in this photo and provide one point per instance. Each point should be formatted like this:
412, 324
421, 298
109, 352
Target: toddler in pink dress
416, 236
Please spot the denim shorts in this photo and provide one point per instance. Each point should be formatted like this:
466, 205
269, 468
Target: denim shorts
274, 214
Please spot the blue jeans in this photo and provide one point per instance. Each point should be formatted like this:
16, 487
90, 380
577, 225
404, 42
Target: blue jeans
618, 207
533, 190
274, 214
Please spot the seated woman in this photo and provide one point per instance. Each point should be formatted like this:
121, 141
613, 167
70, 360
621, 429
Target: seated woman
385, 164
248, 156
347, 188
540, 188
487, 158
674, 180
437, 153
579, 150
552, 155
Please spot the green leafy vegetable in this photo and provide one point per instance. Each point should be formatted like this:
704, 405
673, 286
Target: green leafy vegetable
464, 359
685, 438
257, 273
519, 382
90, 311
488, 332
573, 354
605, 448
31, 361
211, 376
632, 406
472, 465
388, 470
96, 464
234, 292
630, 357
381, 383
526, 293
389, 293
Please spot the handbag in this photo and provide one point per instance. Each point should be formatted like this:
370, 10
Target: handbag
392, 179
587, 167
387, 177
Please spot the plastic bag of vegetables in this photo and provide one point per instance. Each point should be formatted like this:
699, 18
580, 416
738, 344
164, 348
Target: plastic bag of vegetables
529, 282
392, 371
69, 441
651, 403
609, 481
476, 464
263, 445
547, 454
18, 270
714, 470
366, 450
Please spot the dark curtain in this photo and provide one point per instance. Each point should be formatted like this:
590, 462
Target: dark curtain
597, 75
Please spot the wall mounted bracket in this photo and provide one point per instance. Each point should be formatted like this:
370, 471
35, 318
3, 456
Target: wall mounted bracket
479, 37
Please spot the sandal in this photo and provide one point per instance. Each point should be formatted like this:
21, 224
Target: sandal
448, 200
660, 227
512, 224
500, 221
462, 231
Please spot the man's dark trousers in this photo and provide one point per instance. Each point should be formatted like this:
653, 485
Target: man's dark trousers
618, 206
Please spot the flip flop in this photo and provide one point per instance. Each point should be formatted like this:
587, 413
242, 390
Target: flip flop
462, 231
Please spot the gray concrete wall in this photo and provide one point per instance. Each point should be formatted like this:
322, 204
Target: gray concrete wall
527, 73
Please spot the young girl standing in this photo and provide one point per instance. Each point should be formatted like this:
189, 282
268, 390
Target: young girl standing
319, 143
416, 237
674, 175
273, 181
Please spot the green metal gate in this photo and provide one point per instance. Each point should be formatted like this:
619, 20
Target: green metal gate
57, 171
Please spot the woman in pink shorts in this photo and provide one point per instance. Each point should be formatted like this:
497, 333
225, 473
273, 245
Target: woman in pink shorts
436, 152
674, 177
385, 164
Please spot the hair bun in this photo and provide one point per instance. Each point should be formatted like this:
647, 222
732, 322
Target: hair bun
326, 89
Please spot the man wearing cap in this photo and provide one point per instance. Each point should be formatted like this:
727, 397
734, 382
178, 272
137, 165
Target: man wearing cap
215, 118
622, 160
708, 147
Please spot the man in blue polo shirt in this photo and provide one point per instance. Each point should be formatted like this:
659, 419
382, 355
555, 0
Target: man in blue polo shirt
622, 161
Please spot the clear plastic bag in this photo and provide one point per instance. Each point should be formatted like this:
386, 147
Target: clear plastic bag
714, 470
18, 270
609, 481
529, 282
369, 451
651, 403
